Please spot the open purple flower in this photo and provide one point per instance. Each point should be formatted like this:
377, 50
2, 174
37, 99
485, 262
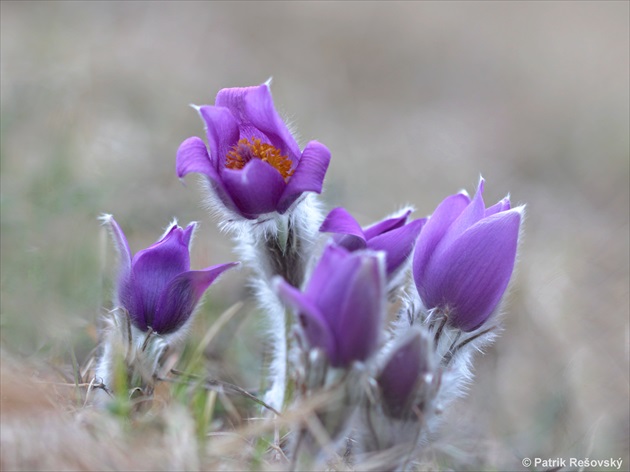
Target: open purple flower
156, 286
464, 257
342, 308
393, 235
407, 366
254, 164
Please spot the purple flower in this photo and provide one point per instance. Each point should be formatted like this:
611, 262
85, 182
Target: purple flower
464, 257
254, 164
393, 235
402, 374
342, 308
156, 286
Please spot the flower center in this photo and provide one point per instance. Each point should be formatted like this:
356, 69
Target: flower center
247, 149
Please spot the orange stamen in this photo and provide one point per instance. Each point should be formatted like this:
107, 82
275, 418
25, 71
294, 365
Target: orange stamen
247, 149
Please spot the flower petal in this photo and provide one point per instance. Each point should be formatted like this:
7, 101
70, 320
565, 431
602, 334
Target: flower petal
397, 244
188, 234
308, 176
120, 242
181, 295
433, 231
341, 222
255, 189
192, 156
311, 320
357, 326
222, 131
328, 284
471, 214
123, 282
473, 273
502, 205
348, 231
386, 225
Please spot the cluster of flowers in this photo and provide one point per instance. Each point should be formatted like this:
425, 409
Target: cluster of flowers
327, 297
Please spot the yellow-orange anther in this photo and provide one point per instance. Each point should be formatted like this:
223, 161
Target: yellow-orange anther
248, 149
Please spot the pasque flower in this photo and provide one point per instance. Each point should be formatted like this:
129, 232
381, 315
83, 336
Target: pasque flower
464, 257
254, 164
393, 235
342, 308
156, 286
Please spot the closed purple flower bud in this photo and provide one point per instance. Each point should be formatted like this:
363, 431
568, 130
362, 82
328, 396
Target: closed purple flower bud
156, 286
464, 257
404, 372
341, 311
395, 236
254, 164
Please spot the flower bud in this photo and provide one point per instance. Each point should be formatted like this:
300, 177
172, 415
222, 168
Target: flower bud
156, 287
406, 375
341, 311
464, 258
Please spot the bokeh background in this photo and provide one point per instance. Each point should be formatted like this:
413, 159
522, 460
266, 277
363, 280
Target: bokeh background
415, 101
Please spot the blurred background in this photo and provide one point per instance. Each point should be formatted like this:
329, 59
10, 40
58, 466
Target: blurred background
414, 99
